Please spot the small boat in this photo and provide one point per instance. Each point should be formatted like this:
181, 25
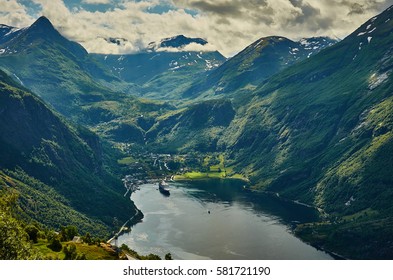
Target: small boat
163, 187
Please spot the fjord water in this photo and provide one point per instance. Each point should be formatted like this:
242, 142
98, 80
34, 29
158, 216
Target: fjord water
216, 219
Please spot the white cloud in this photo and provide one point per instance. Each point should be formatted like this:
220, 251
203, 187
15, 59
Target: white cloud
14, 14
193, 47
96, 1
229, 25
241, 22
57, 12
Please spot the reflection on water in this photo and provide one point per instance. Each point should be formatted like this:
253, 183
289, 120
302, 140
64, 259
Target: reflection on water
217, 219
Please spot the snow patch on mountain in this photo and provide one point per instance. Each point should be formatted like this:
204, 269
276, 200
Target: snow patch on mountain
367, 31
316, 43
7, 30
211, 64
377, 79
19, 80
259, 43
7, 33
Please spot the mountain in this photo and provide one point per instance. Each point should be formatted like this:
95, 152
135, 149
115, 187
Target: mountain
40, 33
259, 61
141, 67
58, 70
198, 126
116, 41
58, 170
262, 59
64, 75
321, 132
176, 42
164, 68
7, 33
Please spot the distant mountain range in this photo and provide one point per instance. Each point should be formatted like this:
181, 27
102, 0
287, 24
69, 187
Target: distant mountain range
165, 68
262, 59
310, 120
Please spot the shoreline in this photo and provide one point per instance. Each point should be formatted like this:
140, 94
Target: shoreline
276, 194
335, 255
182, 179
124, 227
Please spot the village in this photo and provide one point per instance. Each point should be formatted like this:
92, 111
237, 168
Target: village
151, 168
148, 167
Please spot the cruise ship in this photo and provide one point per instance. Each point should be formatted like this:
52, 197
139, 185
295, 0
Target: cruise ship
163, 187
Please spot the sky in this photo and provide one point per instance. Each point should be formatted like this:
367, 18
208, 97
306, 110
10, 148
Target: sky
228, 25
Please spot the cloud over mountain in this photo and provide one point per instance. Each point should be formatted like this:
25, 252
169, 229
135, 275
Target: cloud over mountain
229, 25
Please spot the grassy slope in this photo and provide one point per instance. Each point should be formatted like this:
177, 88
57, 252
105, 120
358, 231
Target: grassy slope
91, 252
14, 241
43, 204
197, 127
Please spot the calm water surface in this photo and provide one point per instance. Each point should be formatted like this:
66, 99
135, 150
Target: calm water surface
241, 224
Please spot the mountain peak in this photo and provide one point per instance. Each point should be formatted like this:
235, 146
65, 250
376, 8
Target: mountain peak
264, 42
41, 30
40, 33
177, 42
116, 41
42, 24
43, 27
181, 41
